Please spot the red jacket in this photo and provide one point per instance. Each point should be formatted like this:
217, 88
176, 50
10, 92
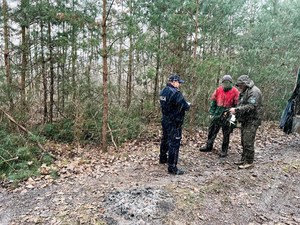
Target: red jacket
226, 99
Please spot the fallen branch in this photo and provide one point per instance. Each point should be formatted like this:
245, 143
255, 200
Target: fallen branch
27, 132
8, 160
112, 137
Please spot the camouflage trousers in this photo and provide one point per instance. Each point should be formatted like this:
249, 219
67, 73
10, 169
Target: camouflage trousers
248, 133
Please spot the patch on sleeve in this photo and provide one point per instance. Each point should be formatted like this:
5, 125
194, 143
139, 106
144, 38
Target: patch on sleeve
162, 98
252, 100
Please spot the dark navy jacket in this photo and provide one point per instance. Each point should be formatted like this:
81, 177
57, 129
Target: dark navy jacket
173, 105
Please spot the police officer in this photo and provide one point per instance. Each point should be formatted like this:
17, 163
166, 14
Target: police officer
223, 98
248, 112
173, 107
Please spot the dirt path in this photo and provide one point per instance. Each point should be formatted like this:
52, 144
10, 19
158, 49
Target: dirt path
130, 187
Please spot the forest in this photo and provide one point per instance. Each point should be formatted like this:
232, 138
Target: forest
89, 72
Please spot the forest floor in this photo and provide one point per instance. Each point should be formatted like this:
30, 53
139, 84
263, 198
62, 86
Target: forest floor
129, 187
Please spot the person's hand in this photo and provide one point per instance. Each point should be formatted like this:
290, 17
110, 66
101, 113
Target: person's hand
211, 117
232, 111
189, 103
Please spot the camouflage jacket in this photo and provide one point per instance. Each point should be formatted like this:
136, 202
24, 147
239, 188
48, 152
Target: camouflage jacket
249, 108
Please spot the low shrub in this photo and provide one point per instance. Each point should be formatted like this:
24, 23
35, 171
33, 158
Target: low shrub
19, 156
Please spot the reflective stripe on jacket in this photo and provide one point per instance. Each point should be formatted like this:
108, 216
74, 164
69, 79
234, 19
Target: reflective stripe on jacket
173, 105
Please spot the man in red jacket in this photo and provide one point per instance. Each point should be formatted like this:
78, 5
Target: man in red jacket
224, 97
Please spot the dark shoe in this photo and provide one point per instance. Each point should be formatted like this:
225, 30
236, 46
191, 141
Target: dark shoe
163, 158
246, 166
223, 154
205, 149
163, 161
176, 172
239, 163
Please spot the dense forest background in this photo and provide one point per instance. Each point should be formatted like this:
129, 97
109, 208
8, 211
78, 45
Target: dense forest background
89, 72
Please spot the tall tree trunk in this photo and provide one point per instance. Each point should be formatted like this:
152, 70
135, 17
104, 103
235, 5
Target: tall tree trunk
58, 78
24, 67
120, 59
44, 75
194, 76
196, 32
36, 67
63, 76
6, 56
73, 68
120, 71
24, 28
157, 67
104, 78
30, 74
88, 69
130, 62
88, 73
129, 74
51, 93
74, 57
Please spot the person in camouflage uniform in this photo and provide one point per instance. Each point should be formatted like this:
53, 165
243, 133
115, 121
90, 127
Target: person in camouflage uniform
223, 98
248, 112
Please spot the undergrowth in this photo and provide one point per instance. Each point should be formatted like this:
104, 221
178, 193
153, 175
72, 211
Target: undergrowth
20, 158
85, 126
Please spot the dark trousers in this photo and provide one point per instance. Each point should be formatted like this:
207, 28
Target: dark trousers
213, 130
170, 143
248, 133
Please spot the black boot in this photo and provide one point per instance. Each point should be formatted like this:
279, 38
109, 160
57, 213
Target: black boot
206, 148
223, 154
241, 162
163, 160
175, 171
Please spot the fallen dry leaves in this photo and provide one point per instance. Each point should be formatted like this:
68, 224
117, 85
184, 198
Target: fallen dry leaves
86, 176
